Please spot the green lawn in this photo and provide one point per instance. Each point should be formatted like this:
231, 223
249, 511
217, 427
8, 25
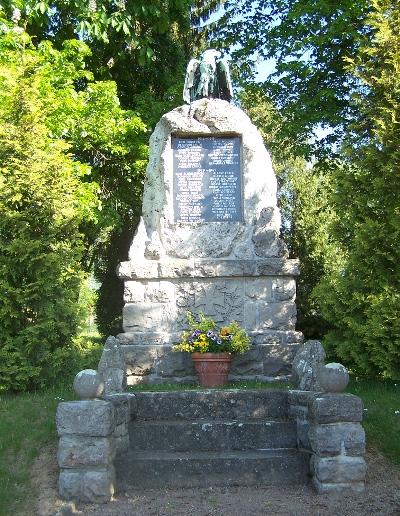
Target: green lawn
381, 414
27, 423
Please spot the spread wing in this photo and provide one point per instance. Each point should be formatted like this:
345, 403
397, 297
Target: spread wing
224, 80
189, 79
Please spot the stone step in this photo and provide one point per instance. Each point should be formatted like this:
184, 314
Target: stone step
212, 404
204, 469
211, 435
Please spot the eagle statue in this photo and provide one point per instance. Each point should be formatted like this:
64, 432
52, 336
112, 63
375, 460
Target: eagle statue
208, 77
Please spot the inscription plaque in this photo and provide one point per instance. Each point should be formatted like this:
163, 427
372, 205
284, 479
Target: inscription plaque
207, 179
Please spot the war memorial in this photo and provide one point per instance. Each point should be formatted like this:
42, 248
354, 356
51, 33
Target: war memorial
208, 242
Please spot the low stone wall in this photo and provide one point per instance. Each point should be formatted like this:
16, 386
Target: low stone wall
329, 427
92, 433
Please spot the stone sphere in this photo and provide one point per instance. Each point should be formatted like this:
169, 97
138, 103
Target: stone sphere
333, 377
88, 384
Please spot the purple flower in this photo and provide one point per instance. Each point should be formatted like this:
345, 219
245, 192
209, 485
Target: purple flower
210, 334
219, 342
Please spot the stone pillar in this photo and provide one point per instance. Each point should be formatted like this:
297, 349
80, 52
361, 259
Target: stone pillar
86, 448
337, 441
124, 410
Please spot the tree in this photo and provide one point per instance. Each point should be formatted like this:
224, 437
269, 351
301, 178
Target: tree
361, 296
42, 203
143, 46
63, 153
304, 200
309, 41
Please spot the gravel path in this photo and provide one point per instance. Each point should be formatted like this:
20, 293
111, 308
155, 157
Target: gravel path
381, 497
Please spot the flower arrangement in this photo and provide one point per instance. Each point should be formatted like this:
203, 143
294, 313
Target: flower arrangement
204, 337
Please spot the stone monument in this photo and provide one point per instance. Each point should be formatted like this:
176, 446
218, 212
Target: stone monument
208, 240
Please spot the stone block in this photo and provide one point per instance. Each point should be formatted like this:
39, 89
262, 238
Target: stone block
134, 292
336, 438
121, 430
303, 438
277, 360
248, 363
112, 366
207, 268
90, 418
277, 316
323, 487
250, 314
339, 469
140, 360
306, 364
121, 444
96, 486
258, 289
299, 397
85, 452
267, 337
171, 364
146, 316
333, 408
283, 289
122, 403
159, 292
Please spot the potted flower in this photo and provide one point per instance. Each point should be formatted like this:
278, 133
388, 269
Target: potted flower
212, 348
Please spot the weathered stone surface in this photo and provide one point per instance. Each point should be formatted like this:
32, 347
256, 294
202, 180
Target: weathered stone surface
87, 486
336, 438
88, 384
169, 269
140, 360
283, 289
253, 404
333, 377
90, 418
277, 316
339, 469
112, 366
209, 434
306, 365
85, 452
323, 487
124, 406
249, 363
173, 364
333, 408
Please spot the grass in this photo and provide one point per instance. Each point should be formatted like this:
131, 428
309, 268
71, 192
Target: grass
27, 423
381, 414
162, 387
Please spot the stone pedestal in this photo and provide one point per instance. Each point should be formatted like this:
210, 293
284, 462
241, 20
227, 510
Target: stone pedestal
235, 270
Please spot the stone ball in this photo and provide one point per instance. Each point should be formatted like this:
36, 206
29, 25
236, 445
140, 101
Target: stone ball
333, 377
88, 384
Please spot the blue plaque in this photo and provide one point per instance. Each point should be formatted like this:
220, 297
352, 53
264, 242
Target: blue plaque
207, 179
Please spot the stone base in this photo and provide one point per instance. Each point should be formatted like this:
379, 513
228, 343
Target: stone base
159, 364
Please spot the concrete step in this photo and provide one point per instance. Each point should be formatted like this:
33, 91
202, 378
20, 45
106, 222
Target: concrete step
212, 404
211, 435
203, 469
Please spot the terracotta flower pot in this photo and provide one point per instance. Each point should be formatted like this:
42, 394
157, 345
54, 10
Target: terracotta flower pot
212, 368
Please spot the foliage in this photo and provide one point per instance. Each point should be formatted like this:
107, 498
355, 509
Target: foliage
361, 296
144, 48
381, 418
308, 42
204, 337
55, 209
42, 203
304, 199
